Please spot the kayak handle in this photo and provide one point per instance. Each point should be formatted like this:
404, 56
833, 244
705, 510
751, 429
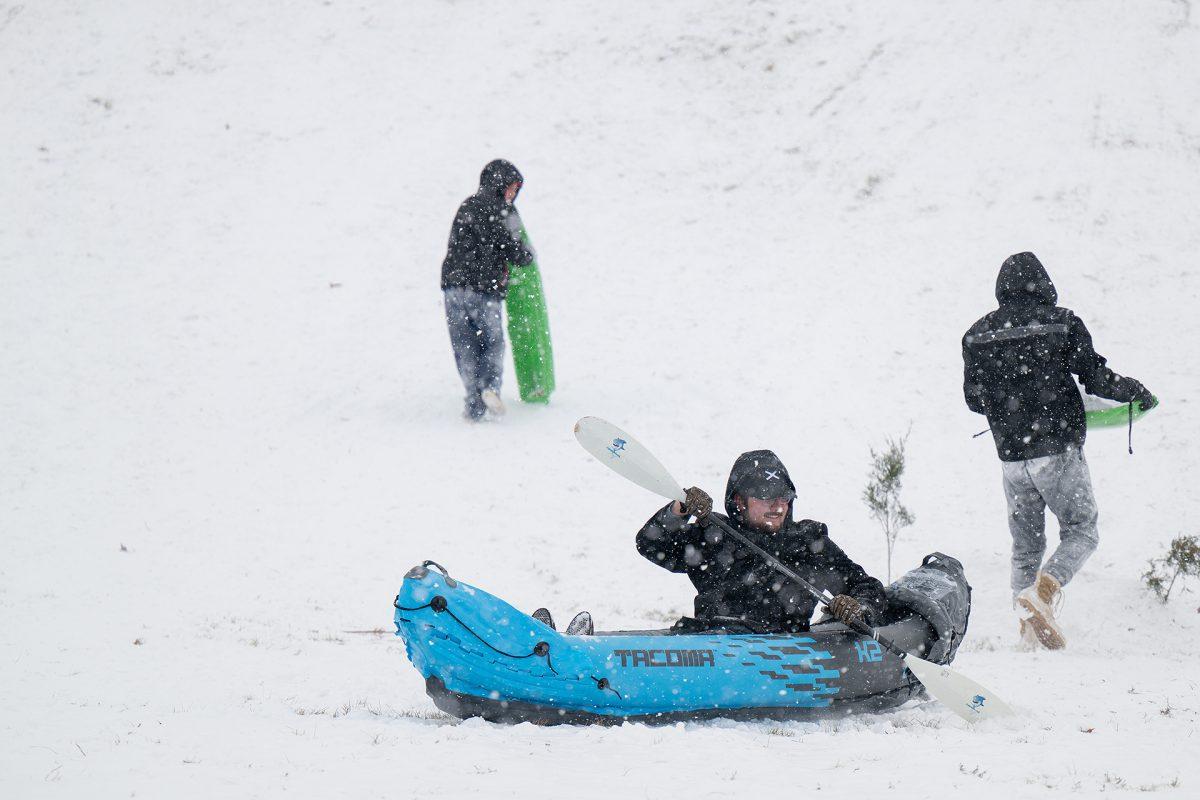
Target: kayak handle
420, 571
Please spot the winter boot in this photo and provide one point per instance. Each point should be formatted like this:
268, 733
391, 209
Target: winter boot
473, 408
491, 399
581, 625
543, 616
1028, 639
1037, 602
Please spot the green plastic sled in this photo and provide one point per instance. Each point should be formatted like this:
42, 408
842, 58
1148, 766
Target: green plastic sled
529, 332
1113, 417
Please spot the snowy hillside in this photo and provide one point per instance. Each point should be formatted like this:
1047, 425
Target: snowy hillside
229, 412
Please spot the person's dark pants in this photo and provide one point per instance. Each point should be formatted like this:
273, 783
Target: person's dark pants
477, 336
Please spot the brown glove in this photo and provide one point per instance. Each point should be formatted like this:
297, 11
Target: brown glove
846, 609
697, 503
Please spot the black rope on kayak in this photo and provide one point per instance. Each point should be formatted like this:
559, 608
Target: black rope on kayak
981, 433
398, 607
396, 604
602, 684
543, 649
439, 605
1130, 427
540, 649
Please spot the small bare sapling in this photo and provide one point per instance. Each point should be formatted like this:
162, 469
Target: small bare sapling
882, 495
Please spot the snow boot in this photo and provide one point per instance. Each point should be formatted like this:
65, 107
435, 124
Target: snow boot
1038, 601
473, 408
1028, 639
581, 625
491, 399
542, 615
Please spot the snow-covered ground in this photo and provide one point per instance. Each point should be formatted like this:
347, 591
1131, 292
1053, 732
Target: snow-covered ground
229, 414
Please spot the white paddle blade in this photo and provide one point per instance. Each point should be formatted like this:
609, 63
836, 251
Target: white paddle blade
625, 456
957, 692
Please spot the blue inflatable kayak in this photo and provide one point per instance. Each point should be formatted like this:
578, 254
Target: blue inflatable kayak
481, 657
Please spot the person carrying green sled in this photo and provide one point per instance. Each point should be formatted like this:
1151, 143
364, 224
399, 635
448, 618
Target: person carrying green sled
485, 239
1020, 363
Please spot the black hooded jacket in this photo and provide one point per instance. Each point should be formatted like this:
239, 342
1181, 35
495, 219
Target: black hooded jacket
731, 580
1019, 361
485, 237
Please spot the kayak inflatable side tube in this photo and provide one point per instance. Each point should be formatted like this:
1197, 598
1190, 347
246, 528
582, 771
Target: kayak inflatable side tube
513, 712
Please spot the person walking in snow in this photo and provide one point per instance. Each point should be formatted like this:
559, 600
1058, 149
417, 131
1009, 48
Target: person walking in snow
1018, 366
484, 240
735, 587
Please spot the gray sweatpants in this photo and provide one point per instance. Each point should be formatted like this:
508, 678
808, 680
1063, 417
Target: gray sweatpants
1063, 483
477, 336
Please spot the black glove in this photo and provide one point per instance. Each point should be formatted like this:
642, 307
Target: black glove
697, 503
1140, 394
847, 610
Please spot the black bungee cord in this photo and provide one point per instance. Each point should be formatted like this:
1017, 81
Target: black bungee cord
541, 649
439, 605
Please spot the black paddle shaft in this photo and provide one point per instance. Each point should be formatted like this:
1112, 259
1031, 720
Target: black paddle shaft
859, 627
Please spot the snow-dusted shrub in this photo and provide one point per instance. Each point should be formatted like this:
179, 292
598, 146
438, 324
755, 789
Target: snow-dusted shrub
1181, 561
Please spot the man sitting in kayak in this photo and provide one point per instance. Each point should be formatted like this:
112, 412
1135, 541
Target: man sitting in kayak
735, 587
